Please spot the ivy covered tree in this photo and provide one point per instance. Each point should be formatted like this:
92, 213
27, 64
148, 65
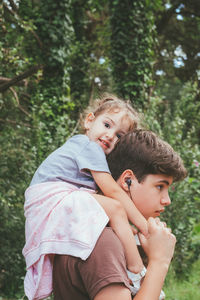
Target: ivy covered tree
89, 63
131, 49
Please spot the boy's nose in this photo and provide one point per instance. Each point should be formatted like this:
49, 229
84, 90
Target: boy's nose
166, 200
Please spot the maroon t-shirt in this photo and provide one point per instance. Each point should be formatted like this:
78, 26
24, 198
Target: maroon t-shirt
76, 279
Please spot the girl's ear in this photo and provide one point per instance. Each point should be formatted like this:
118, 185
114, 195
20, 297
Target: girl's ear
89, 118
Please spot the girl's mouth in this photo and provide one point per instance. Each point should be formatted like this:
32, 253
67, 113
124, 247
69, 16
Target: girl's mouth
104, 144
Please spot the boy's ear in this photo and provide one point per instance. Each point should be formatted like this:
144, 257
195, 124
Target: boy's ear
89, 118
126, 179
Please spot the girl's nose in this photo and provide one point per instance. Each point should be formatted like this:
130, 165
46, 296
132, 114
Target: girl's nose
110, 134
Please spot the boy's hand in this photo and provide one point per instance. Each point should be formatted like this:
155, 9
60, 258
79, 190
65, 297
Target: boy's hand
159, 245
134, 230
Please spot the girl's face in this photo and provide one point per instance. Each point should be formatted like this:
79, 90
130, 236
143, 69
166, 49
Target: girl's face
107, 128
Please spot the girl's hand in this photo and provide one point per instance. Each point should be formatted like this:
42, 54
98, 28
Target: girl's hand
141, 223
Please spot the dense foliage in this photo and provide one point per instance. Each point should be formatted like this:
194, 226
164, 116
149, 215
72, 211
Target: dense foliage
55, 58
131, 51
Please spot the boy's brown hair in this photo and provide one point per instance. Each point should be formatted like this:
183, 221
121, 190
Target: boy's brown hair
145, 153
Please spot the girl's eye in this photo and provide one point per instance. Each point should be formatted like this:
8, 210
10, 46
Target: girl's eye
107, 125
118, 135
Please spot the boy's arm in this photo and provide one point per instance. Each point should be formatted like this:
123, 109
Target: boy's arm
114, 291
159, 247
111, 189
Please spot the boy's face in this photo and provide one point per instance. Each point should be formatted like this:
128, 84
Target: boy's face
151, 195
106, 129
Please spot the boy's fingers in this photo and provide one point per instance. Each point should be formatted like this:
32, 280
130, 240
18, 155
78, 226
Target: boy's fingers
157, 220
145, 232
142, 238
168, 229
134, 230
152, 223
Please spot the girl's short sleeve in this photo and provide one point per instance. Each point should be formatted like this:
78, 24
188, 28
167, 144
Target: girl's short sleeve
92, 157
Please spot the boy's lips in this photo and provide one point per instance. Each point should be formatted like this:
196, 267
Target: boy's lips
105, 144
159, 211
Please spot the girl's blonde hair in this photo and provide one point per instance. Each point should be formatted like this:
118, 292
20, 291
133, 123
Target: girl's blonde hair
113, 104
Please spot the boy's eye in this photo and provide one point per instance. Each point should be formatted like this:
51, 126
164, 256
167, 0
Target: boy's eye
160, 187
107, 125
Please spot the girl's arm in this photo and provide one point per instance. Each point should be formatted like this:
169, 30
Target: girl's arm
111, 189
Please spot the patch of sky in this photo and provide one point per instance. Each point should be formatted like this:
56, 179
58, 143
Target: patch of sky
102, 60
164, 52
167, 5
179, 52
97, 80
178, 10
180, 57
180, 7
160, 72
178, 62
16, 2
198, 74
13, 26
179, 17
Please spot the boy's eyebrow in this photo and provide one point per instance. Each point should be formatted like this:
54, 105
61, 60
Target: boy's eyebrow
164, 181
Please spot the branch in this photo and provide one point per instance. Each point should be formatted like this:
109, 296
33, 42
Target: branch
6, 79
37, 38
14, 122
16, 79
15, 95
17, 99
75, 128
25, 95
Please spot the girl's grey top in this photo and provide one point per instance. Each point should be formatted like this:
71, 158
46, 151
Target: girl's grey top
72, 163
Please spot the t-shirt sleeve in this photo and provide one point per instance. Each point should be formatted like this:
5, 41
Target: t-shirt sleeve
91, 157
106, 264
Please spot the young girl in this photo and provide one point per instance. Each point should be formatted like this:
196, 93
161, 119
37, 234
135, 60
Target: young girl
63, 213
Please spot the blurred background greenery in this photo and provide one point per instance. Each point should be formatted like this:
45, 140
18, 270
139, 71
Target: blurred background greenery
56, 57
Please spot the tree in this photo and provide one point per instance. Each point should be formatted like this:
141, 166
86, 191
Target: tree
131, 48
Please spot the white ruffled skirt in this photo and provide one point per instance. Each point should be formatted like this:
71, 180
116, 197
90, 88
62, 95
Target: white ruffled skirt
60, 219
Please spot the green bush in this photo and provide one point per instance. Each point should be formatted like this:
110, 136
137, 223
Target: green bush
176, 289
